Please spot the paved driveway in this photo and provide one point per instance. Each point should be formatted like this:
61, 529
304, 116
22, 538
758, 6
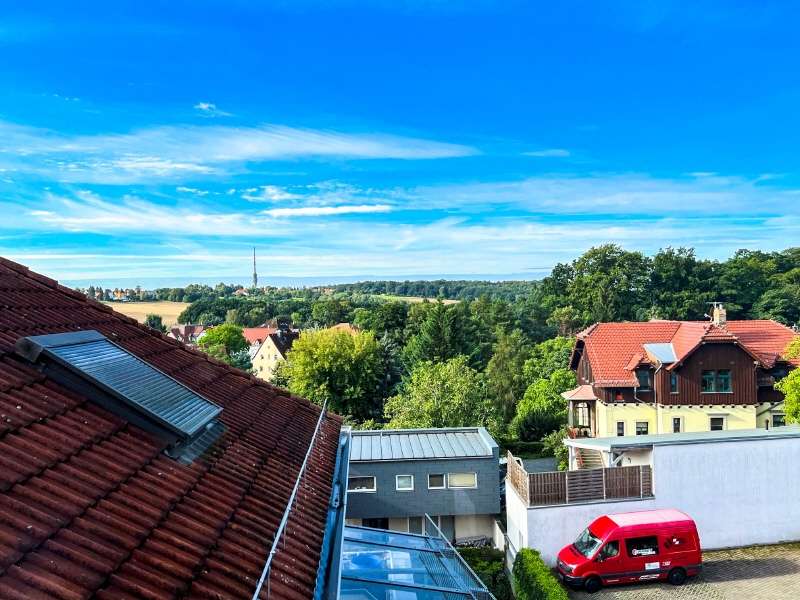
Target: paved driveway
769, 572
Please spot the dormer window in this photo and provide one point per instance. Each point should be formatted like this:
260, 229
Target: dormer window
645, 381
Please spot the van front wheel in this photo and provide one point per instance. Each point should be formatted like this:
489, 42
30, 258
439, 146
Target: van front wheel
592, 585
677, 576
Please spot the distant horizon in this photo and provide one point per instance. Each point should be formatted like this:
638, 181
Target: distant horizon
299, 282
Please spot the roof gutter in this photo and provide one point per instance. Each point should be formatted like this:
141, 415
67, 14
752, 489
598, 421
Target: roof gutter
329, 571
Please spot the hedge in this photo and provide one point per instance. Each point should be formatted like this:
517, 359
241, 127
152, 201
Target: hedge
521, 449
534, 580
489, 566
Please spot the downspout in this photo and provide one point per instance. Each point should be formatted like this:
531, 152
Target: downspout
655, 396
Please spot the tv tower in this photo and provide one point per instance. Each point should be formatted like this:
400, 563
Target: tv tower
255, 274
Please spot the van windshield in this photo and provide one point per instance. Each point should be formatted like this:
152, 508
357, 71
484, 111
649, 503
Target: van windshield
587, 543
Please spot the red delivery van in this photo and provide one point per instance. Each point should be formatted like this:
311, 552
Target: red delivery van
634, 546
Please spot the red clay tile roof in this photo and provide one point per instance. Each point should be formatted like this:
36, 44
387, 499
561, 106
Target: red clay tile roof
615, 349
91, 507
257, 335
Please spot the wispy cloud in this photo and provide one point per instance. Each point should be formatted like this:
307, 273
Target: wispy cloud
209, 109
549, 153
269, 193
178, 151
321, 211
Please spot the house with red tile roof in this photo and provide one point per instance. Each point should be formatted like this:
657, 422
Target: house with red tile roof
98, 500
675, 376
135, 467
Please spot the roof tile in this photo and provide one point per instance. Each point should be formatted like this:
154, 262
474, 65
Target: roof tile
91, 507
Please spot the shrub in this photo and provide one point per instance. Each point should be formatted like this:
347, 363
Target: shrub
488, 564
533, 580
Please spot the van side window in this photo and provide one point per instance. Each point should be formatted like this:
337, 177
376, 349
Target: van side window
610, 550
643, 546
679, 542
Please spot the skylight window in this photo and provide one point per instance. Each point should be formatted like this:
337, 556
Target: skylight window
91, 364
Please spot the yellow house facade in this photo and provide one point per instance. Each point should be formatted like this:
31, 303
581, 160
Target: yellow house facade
271, 352
678, 376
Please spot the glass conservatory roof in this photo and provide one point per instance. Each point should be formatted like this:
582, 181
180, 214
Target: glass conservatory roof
387, 565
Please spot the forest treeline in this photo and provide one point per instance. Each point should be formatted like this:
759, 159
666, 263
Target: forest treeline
499, 356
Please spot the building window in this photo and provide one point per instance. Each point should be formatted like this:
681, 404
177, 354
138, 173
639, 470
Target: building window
404, 483
462, 480
620, 428
673, 383
676, 425
361, 484
643, 375
716, 423
433, 526
618, 396
642, 427
717, 382
778, 420
415, 525
378, 523
436, 481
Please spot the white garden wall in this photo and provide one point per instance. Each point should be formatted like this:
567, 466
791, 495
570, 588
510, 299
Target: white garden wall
739, 493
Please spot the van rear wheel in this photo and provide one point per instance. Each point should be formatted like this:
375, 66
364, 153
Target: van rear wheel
677, 576
592, 585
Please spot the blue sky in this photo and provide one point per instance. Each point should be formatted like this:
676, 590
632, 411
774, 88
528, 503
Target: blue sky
388, 139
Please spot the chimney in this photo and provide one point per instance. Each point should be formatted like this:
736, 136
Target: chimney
720, 314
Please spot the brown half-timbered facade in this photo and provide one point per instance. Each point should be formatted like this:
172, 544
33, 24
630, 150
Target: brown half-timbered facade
671, 376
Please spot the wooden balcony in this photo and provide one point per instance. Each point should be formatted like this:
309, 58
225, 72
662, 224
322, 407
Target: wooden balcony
575, 487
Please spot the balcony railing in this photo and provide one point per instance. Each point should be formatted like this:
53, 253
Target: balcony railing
574, 487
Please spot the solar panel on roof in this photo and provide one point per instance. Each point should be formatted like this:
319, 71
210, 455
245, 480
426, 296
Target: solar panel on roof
138, 386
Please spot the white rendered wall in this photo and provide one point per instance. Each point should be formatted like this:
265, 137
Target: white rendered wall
474, 525
739, 493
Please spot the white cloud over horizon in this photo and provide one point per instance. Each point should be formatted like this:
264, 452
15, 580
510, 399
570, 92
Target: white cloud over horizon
171, 151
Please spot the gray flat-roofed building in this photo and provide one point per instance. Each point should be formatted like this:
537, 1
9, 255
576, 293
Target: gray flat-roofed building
399, 475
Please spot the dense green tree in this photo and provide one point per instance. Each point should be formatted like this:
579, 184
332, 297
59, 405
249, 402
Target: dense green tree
609, 284
743, 279
241, 360
330, 311
154, 321
781, 303
790, 386
542, 408
342, 368
554, 445
681, 285
441, 336
223, 341
505, 375
548, 357
441, 394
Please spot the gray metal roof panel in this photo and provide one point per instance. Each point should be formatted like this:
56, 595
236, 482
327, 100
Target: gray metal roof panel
421, 444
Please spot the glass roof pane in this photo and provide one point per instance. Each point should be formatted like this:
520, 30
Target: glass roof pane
394, 564
363, 590
393, 538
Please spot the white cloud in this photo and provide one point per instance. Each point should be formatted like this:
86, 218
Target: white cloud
603, 193
269, 193
322, 211
549, 153
209, 109
181, 150
190, 190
